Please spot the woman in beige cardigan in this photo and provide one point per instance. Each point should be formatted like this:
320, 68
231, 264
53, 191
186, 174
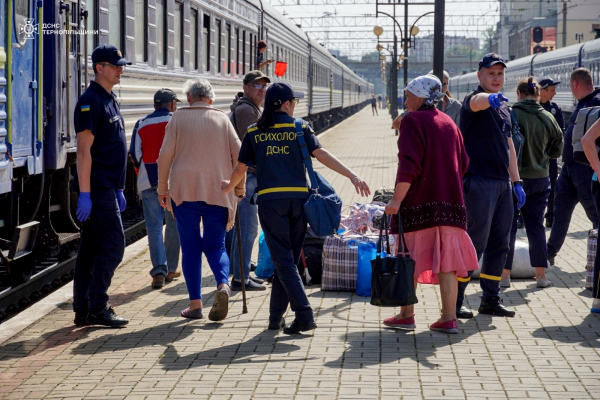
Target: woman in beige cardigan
199, 151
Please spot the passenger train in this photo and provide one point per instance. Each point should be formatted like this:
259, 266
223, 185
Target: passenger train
43, 71
556, 64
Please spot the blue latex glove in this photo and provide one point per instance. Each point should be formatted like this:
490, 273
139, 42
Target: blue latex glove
496, 100
520, 193
84, 206
121, 200
595, 177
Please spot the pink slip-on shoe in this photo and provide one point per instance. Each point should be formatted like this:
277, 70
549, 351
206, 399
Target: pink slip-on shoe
407, 324
447, 327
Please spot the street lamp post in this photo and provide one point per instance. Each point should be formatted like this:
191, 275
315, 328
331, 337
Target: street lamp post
378, 31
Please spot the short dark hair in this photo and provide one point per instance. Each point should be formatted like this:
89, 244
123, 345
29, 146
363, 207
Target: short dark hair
582, 75
94, 68
261, 44
163, 105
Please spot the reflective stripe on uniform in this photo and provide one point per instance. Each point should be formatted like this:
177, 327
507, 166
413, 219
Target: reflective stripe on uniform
490, 277
467, 279
283, 189
276, 126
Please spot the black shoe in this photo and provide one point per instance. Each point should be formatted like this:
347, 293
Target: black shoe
551, 260
495, 308
257, 280
297, 327
463, 312
106, 317
250, 286
277, 326
252, 266
81, 319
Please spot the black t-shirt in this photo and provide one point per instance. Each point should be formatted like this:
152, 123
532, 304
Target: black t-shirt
98, 111
591, 100
486, 136
278, 158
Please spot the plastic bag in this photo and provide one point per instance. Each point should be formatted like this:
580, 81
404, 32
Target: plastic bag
264, 266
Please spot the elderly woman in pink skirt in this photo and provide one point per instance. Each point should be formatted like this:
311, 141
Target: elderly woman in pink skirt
429, 195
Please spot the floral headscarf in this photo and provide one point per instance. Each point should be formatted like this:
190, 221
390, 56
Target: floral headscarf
427, 87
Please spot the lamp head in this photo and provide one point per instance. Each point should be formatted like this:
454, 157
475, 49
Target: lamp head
414, 30
378, 30
379, 47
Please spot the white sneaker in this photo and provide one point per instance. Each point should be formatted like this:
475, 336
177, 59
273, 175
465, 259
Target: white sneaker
543, 283
505, 282
595, 306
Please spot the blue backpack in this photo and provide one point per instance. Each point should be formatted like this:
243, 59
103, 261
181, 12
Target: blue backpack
323, 209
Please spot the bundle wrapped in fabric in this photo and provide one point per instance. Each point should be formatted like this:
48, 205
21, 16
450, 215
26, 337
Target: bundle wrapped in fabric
362, 216
340, 260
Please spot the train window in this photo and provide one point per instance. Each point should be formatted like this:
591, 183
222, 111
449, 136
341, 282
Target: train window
244, 52
237, 51
206, 43
178, 42
228, 41
161, 32
193, 40
92, 24
219, 44
115, 24
22, 10
141, 34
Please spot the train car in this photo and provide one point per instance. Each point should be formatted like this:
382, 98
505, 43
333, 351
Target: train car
556, 64
45, 65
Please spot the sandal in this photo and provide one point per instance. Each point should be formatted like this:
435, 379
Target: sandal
193, 314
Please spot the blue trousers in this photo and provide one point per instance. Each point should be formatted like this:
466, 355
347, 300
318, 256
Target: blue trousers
489, 206
572, 186
211, 242
284, 226
100, 251
537, 191
249, 231
163, 254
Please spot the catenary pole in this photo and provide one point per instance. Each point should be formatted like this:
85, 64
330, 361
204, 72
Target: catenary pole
438, 39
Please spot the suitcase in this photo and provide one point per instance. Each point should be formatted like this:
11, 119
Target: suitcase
591, 257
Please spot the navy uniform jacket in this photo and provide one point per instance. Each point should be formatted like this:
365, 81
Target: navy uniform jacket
276, 153
486, 136
555, 110
98, 111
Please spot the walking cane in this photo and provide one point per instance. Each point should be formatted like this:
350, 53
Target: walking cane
239, 240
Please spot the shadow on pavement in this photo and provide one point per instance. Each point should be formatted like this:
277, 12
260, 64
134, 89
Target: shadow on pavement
585, 334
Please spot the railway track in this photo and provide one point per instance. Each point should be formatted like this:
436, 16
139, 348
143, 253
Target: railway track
50, 274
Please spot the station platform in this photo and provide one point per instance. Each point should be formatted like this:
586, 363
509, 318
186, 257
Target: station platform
550, 350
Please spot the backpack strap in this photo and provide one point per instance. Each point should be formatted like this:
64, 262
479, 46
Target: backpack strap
305, 156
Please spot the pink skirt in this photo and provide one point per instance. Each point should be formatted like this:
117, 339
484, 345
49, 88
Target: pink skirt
441, 249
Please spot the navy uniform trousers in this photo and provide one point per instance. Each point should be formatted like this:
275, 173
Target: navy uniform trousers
284, 225
596, 282
100, 251
489, 205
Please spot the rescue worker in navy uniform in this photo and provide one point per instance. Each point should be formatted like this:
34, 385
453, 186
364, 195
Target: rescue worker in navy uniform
489, 183
272, 146
547, 93
101, 166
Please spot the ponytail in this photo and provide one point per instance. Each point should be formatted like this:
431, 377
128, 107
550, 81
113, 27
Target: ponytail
528, 87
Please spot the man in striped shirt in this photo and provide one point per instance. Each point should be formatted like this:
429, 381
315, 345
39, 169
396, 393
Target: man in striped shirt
146, 142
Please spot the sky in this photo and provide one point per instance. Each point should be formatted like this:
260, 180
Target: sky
347, 25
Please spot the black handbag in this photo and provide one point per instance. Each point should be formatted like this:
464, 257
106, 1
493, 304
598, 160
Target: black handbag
392, 279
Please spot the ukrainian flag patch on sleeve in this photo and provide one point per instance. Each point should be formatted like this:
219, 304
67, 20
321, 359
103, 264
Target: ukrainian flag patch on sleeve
85, 108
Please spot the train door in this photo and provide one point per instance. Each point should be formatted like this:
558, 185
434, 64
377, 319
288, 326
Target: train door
23, 85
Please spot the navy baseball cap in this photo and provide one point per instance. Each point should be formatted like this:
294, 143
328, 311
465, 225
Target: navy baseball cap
279, 92
547, 82
109, 54
491, 59
165, 96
